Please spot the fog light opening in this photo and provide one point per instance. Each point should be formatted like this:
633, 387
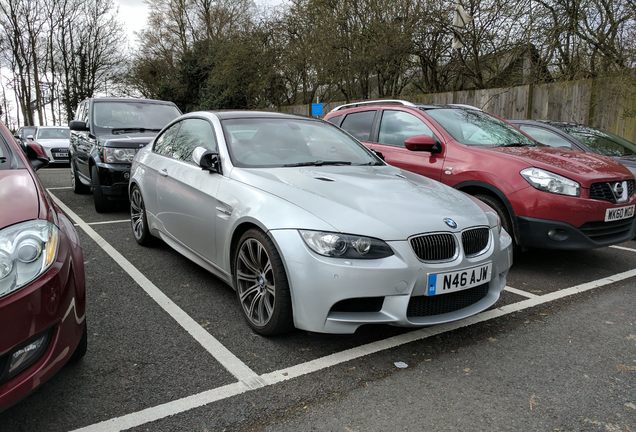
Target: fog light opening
27, 355
557, 234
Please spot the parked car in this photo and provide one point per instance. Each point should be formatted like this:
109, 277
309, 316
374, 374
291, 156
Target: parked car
42, 297
105, 135
546, 198
579, 137
312, 229
25, 134
55, 141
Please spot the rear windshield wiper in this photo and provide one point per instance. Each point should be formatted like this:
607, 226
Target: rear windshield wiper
318, 163
125, 130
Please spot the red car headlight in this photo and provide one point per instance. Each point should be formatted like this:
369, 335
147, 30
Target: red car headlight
27, 250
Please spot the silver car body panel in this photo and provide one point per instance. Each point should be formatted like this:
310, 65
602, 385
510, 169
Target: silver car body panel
198, 214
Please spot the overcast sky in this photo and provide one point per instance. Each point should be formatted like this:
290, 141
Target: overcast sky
134, 15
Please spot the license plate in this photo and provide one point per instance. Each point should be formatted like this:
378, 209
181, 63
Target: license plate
442, 283
614, 214
60, 155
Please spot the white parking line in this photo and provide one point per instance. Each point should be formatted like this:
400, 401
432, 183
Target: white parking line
623, 248
59, 188
520, 292
200, 399
224, 356
105, 222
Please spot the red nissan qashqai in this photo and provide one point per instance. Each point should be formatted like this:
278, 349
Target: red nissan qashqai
42, 297
546, 197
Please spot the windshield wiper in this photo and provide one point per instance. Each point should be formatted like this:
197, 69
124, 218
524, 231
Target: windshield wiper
515, 144
124, 130
318, 163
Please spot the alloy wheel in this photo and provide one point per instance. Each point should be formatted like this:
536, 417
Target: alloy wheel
137, 211
255, 282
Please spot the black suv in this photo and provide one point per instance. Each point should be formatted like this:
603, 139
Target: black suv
105, 135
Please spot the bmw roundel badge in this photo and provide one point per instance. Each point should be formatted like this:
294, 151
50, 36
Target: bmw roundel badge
451, 223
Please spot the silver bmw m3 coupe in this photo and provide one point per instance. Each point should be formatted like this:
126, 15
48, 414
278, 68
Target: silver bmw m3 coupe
313, 230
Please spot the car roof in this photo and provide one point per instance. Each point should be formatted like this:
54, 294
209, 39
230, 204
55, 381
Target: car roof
52, 127
121, 99
240, 114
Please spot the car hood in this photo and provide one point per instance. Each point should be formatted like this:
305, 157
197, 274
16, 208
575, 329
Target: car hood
53, 142
585, 168
18, 188
382, 202
130, 140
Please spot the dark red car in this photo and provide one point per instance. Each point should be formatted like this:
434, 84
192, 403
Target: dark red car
545, 197
42, 296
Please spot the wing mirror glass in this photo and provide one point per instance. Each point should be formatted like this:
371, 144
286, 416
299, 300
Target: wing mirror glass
37, 156
423, 143
207, 159
78, 125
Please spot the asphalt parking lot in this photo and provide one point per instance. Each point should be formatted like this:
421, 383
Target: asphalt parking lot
168, 351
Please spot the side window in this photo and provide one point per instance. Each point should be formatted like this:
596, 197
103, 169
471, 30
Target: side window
192, 134
163, 143
359, 124
336, 120
545, 136
396, 126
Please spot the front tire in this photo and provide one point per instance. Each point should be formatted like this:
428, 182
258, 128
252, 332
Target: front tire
76, 183
138, 219
501, 211
261, 285
82, 347
101, 203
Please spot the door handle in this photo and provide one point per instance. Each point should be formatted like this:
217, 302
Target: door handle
164, 172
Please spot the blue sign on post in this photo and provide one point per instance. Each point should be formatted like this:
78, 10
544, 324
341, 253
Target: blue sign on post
316, 110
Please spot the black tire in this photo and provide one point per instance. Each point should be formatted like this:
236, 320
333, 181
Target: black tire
102, 205
270, 282
499, 207
138, 219
76, 183
82, 347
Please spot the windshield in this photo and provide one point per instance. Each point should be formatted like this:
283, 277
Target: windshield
133, 115
279, 142
53, 133
602, 142
476, 128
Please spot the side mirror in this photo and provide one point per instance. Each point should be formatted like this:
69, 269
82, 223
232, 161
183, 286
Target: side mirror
423, 143
78, 125
29, 137
37, 156
207, 159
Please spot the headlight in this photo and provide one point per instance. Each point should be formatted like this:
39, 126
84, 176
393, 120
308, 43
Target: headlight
26, 251
119, 155
345, 245
550, 182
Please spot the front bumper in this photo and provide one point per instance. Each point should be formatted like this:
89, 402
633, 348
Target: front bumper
113, 179
52, 306
318, 283
549, 234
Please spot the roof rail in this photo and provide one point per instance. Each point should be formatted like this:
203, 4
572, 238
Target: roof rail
375, 102
465, 106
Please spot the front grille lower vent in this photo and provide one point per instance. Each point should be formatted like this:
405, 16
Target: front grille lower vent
475, 241
425, 306
434, 247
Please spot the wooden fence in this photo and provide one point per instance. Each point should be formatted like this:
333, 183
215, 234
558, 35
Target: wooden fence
605, 103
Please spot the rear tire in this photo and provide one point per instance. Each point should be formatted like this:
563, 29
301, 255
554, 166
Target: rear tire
76, 183
101, 203
261, 285
138, 219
